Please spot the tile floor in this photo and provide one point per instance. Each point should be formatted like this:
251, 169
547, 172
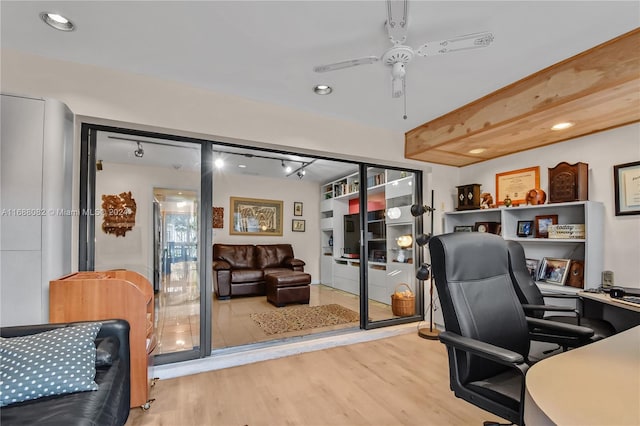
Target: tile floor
178, 314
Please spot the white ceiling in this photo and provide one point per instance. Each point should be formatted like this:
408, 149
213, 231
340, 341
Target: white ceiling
266, 50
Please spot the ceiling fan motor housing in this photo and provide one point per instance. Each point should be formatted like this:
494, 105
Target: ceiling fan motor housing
403, 54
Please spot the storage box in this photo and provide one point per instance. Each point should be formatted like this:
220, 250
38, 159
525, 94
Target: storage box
566, 231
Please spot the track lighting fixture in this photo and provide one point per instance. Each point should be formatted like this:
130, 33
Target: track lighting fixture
301, 173
139, 152
219, 163
286, 167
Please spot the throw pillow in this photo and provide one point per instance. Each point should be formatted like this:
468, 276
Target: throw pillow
54, 362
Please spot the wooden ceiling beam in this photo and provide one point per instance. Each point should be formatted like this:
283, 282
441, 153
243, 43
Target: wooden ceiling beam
597, 89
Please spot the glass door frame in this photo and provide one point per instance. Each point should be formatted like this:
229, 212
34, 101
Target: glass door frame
86, 234
365, 323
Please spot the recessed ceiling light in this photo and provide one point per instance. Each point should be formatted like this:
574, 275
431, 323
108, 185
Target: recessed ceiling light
322, 89
242, 166
57, 21
219, 163
562, 126
477, 151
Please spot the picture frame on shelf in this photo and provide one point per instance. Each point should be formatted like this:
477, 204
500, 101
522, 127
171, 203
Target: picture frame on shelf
525, 228
626, 181
542, 223
298, 225
533, 266
490, 227
554, 271
516, 184
297, 208
463, 228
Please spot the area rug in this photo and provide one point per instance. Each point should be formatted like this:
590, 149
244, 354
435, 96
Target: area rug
295, 318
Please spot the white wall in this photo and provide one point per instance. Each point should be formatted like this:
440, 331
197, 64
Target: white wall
306, 245
134, 251
601, 151
147, 103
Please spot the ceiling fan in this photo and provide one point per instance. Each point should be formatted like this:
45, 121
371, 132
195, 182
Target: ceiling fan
399, 54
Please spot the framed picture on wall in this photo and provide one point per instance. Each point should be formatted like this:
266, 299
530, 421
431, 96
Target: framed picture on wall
253, 216
297, 208
626, 180
297, 225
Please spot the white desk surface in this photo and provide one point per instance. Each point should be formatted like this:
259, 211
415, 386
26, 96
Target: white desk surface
597, 384
605, 298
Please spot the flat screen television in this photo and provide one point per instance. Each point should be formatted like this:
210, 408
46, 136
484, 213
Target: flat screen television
351, 228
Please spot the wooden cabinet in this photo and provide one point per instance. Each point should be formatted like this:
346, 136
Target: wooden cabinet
588, 250
88, 296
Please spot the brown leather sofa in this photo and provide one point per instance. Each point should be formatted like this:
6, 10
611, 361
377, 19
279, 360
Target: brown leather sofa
240, 269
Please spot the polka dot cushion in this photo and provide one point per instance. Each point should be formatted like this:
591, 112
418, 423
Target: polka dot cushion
54, 362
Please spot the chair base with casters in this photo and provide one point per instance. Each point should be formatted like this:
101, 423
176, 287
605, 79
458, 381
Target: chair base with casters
486, 332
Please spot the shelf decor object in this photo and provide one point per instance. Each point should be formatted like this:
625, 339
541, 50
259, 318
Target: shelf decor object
554, 271
424, 273
516, 184
626, 178
469, 197
568, 182
542, 223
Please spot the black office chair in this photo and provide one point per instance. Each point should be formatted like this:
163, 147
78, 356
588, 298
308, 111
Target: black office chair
486, 331
534, 305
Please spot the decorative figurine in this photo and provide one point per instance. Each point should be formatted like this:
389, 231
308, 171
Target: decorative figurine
486, 201
507, 201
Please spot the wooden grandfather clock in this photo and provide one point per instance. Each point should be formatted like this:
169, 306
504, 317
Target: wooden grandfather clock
569, 182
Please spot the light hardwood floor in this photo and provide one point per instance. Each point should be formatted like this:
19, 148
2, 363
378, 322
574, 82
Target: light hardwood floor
401, 380
178, 316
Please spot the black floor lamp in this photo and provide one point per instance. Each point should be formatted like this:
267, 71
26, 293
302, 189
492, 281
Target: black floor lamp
424, 273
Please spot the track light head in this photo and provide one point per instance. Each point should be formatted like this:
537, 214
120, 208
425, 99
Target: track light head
139, 152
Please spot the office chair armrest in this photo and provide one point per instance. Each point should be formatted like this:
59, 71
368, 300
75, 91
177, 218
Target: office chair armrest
482, 349
552, 308
560, 296
562, 328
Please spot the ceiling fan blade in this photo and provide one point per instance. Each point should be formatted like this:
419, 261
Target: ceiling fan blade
346, 64
465, 42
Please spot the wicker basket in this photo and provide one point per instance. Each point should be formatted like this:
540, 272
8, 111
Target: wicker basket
405, 306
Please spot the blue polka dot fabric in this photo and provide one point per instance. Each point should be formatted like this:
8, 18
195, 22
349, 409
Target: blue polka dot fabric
54, 362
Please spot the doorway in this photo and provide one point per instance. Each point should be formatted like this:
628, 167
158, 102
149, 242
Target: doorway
176, 280
176, 186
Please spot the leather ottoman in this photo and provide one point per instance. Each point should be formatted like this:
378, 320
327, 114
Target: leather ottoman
288, 287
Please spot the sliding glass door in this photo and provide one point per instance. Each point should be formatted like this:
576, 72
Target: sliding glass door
390, 253
149, 193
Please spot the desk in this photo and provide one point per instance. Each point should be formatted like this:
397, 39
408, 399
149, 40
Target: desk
622, 315
597, 384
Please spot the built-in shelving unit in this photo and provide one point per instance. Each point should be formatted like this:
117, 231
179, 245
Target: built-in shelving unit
588, 249
387, 263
